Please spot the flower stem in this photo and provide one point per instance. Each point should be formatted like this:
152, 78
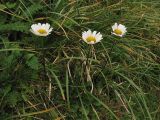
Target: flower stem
88, 63
43, 60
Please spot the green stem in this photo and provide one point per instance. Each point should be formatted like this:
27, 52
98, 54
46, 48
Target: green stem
88, 55
87, 67
43, 59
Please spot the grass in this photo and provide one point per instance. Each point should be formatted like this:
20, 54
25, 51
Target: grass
116, 79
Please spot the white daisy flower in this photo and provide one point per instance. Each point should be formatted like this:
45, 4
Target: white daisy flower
119, 30
91, 37
41, 29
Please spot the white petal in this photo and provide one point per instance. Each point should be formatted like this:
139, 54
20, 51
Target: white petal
36, 33
122, 27
47, 26
50, 30
39, 24
32, 31
98, 38
89, 32
117, 34
34, 27
115, 26
94, 33
92, 42
84, 35
44, 26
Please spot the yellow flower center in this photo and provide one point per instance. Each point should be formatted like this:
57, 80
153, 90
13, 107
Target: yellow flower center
91, 38
118, 31
42, 31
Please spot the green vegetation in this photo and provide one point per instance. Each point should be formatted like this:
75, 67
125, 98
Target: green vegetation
67, 79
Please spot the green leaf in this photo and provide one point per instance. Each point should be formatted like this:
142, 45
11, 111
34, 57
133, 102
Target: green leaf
32, 61
13, 98
10, 5
17, 26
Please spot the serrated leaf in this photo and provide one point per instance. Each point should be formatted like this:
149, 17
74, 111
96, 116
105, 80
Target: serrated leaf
13, 98
33, 63
34, 8
17, 26
5, 90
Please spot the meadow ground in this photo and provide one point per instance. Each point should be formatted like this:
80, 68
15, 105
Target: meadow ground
60, 77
